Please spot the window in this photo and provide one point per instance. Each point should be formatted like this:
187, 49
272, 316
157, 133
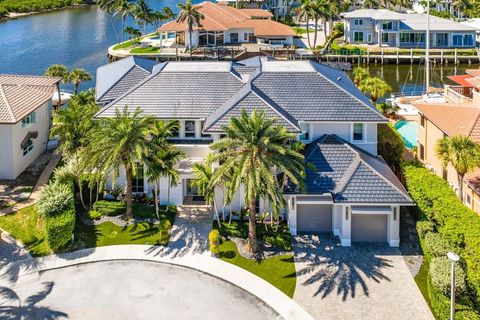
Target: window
468, 40
190, 188
305, 128
245, 37
189, 129
422, 121
357, 134
28, 147
204, 135
369, 38
251, 37
219, 38
137, 179
421, 151
457, 39
28, 120
384, 37
234, 37
358, 37
358, 22
387, 25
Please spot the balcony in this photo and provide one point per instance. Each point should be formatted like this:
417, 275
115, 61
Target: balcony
458, 94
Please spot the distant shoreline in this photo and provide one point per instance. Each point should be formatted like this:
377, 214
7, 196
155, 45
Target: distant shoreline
16, 15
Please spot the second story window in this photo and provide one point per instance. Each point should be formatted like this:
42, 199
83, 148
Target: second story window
304, 136
387, 25
357, 132
28, 120
358, 22
189, 129
422, 121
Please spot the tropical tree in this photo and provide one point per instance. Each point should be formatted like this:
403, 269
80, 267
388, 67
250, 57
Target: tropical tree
143, 14
462, 153
304, 13
360, 74
122, 141
123, 9
159, 17
58, 70
255, 150
321, 10
202, 180
109, 6
76, 76
133, 33
190, 14
171, 157
375, 87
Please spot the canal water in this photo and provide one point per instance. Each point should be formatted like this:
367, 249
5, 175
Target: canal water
79, 38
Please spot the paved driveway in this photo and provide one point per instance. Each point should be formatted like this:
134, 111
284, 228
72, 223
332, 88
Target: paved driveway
360, 282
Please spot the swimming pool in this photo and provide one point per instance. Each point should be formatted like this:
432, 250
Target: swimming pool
409, 132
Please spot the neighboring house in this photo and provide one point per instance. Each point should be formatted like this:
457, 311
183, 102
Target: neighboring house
277, 7
223, 24
419, 6
25, 119
437, 121
405, 30
466, 90
474, 23
352, 192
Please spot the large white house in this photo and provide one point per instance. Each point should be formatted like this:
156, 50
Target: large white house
351, 193
25, 120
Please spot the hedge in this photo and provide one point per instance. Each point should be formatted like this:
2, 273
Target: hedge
110, 208
390, 146
458, 226
59, 229
35, 5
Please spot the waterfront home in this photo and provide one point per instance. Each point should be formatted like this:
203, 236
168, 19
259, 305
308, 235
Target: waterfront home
474, 23
437, 121
25, 120
277, 7
223, 24
419, 6
351, 193
387, 28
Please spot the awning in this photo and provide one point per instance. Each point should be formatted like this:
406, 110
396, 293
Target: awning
30, 135
461, 80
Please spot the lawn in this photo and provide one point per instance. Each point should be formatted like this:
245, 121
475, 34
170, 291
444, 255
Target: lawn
145, 50
279, 270
126, 45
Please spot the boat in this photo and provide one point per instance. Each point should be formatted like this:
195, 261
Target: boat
65, 97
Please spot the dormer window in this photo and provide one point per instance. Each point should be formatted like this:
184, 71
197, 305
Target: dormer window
357, 132
28, 120
305, 135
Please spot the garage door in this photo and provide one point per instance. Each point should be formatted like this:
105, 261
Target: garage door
369, 227
314, 218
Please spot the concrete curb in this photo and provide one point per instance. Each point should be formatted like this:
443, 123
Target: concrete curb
273, 297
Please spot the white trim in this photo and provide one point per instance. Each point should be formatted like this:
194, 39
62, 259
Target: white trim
364, 136
394, 243
313, 202
336, 232
369, 210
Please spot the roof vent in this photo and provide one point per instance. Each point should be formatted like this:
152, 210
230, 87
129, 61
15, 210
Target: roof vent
339, 79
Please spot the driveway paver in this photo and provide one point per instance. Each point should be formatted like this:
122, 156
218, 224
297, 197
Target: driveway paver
360, 282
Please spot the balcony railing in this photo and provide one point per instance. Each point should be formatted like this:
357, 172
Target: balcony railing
458, 94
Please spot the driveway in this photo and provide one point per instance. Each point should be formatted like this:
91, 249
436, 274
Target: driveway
130, 290
360, 282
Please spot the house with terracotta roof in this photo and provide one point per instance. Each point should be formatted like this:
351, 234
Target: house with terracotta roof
466, 88
25, 120
223, 24
437, 121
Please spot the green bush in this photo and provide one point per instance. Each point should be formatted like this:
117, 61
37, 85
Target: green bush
110, 208
35, 5
434, 245
440, 275
424, 227
390, 146
214, 239
59, 228
94, 214
55, 198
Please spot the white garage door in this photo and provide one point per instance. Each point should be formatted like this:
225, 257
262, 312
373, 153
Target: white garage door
314, 218
369, 227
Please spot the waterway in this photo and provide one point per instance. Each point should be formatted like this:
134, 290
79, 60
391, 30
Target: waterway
80, 37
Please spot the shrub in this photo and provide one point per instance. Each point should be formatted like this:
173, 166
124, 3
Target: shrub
59, 228
214, 239
55, 198
434, 245
94, 214
424, 227
110, 208
390, 146
440, 275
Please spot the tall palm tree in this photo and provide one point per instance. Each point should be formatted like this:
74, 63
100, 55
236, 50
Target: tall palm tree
321, 9
304, 13
76, 76
375, 87
462, 153
132, 32
109, 7
123, 141
255, 150
123, 9
202, 178
191, 15
143, 13
360, 74
58, 70
171, 157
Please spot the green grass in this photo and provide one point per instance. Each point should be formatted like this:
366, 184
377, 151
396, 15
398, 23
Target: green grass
24, 225
279, 270
126, 45
145, 50
299, 30
421, 280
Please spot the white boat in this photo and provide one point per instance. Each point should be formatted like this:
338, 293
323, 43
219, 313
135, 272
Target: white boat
64, 95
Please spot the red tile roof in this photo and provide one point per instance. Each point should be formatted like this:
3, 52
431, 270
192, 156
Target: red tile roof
461, 80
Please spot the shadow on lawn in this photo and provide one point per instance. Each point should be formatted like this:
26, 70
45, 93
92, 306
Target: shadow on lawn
13, 308
321, 261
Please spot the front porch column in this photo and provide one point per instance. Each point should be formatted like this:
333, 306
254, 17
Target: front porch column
346, 232
292, 215
393, 231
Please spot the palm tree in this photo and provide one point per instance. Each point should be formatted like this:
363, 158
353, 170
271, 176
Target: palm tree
254, 150
76, 76
123, 141
304, 14
143, 13
370, 3
360, 74
321, 9
375, 87
133, 33
109, 7
191, 15
123, 9
202, 178
58, 70
462, 153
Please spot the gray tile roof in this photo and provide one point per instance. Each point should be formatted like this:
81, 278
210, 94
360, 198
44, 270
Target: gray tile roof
115, 78
301, 90
351, 174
